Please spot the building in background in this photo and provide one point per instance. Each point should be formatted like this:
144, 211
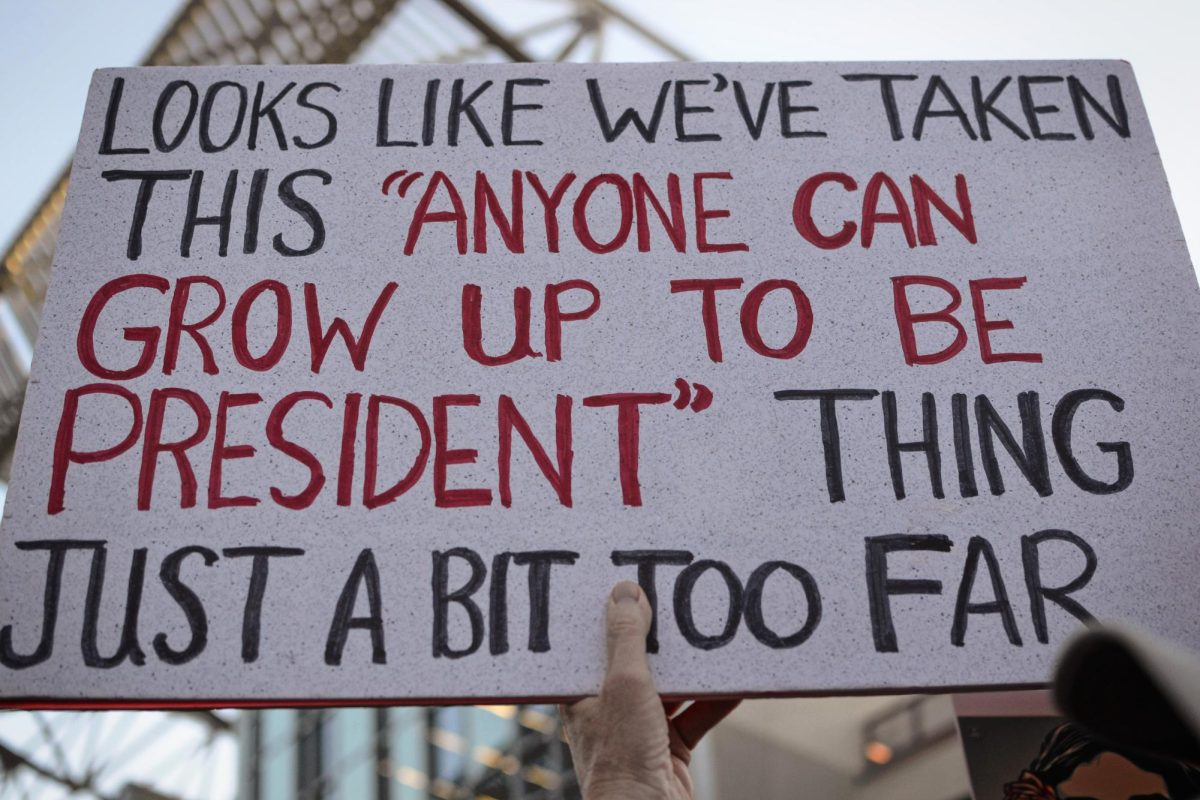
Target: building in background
833, 749
843, 749
500, 752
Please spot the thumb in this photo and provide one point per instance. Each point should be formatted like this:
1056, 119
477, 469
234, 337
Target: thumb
628, 622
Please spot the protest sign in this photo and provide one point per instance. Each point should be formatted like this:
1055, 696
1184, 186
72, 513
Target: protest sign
367, 383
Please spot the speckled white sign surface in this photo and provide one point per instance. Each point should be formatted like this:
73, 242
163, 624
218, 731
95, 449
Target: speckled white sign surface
367, 383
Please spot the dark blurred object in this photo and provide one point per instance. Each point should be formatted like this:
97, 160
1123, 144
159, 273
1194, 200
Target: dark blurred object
1132, 689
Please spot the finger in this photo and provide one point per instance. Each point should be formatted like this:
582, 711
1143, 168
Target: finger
628, 621
565, 713
565, 710
699, 718
568, 712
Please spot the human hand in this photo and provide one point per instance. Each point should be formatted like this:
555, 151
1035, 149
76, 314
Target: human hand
627, 743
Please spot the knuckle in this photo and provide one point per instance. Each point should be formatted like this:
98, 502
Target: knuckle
625, 626
624, 681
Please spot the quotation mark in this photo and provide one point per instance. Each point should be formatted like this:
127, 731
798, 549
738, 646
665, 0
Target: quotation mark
405, 182
703, 396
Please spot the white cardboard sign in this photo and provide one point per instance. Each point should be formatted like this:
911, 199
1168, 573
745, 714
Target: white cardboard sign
365, 383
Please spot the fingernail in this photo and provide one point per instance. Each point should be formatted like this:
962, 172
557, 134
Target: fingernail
625, 592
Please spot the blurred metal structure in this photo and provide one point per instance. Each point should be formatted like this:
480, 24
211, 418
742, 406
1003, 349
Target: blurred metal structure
312, 32
60, 754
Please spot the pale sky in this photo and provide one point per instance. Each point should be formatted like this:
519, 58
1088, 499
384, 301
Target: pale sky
51, 47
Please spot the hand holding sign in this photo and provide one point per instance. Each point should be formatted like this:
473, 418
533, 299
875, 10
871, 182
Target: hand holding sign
627, 743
